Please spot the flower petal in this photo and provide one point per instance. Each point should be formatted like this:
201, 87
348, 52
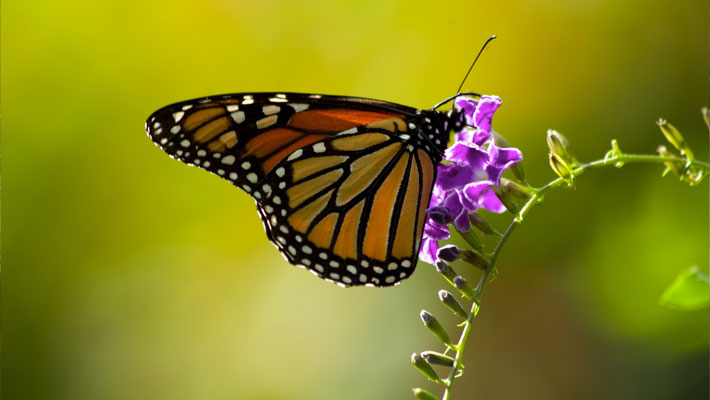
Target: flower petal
490, 202
436, 231
468, 105
440, 215
453, 202
462, 223
453, 176
487, 106
468, 154
427, 252
501, 158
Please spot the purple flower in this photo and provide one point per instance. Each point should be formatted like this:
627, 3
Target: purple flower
466, 183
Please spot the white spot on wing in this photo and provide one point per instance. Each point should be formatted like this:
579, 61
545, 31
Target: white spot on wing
319, 147
298, 107
229, 160
178, 116
270, 109
348, 131
238, 116
295, 155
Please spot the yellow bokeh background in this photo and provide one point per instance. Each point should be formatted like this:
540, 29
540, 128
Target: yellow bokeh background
127, 275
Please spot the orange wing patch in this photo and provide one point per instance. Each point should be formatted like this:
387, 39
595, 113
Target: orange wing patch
404, 237
427, 182
302, 219
309, 166
199, 117
346, 245
336, 120
211, 129
378, 227
297, 194
322, 234
363, 171
270, 162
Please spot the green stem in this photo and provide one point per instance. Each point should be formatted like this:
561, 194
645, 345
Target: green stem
458, 360
621, 158
537, 198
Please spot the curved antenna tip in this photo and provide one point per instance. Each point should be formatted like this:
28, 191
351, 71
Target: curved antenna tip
474, 62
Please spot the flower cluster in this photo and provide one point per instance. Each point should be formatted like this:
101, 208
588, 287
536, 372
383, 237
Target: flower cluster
466, 184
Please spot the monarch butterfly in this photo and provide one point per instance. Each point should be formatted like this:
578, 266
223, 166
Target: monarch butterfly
341, 184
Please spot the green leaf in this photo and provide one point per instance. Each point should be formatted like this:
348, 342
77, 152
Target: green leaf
689, 291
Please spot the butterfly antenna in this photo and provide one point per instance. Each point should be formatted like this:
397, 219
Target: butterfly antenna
474, 62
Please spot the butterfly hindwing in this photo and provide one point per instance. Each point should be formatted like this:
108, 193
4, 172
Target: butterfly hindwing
351, 208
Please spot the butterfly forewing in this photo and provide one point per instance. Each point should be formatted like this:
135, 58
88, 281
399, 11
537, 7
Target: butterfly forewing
341, 183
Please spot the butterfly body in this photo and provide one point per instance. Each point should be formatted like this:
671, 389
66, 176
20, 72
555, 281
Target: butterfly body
341, 183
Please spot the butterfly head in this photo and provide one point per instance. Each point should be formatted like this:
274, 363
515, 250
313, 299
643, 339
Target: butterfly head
435, 128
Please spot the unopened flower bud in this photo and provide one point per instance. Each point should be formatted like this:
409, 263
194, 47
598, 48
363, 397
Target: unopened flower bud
515, 189
675, 138
448, 253
471, 238
518, 171
424, 367
464, 287
435, 358
562, 169
482, 225
451, 303
445, 269
435, 327
507, 200
474, 258
559, 146
686, 173
440, 215
421, 394
675, 168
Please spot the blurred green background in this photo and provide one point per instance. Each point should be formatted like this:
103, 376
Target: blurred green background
128, 275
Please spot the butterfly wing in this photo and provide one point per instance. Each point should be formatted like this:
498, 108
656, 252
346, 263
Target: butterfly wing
351, 208
241, 137
340, 183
